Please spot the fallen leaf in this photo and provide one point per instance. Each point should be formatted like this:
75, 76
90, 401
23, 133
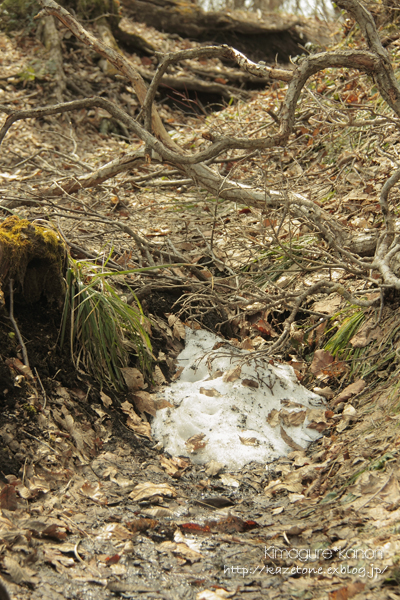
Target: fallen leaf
229, 480
106, 400
147, 490
211, 392
133, 378
329, 305
252, 383
249, 441
8, 498
349, 391
213, 468
369, 331
17, 573
144, 402
195, 443
288, 440
321, 360
232, 374
273, 418
158, 376
93, 491
182, 550
173, 466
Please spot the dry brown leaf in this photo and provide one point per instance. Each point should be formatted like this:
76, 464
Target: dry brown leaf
141, 428
292, 418
340, 594
55, 557
134, 422
17, 573
215, 375
162, 403
288, 440
328, 305
114, 531
196, 443
319, 415
374, 488
94, 492
146, 490
252, 383
322, 359
325, 392
249, 441
178, 328
55, 532
144, 402
211, 392
229, 480
106, 400
368, 332
349, 391
175, 465
355, 588
8, 498
133, 378
19, 367
158, 512
273, 418
158, 376
24, 492
182, 550
177, 373
213, 468
128, 409
246, 344
232, 374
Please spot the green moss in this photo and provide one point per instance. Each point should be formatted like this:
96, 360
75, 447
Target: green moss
30, 410
33, 256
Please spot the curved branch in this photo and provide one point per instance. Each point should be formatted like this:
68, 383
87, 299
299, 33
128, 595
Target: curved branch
224, 51
384, 76
375, 63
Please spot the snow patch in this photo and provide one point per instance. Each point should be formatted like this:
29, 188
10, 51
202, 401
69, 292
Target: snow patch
229, 406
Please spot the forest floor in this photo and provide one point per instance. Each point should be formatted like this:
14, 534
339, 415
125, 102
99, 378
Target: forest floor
90, 505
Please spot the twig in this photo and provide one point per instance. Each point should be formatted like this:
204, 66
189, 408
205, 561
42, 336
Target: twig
43, 390
17, 331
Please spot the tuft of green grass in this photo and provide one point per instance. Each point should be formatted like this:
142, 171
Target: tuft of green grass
339, 341
102, 329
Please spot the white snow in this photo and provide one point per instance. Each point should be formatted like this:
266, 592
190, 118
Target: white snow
231, 421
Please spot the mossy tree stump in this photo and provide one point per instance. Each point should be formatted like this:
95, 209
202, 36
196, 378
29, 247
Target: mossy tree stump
33, 257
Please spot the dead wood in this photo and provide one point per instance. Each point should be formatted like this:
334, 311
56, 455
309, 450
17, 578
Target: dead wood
52, 43
374, 61
132, 40
232, 76
32, 256
197, 85
264, 39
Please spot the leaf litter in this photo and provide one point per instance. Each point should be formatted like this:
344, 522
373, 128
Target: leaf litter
89, 503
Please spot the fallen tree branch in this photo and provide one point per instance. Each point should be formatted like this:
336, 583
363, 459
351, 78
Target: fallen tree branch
374, 62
